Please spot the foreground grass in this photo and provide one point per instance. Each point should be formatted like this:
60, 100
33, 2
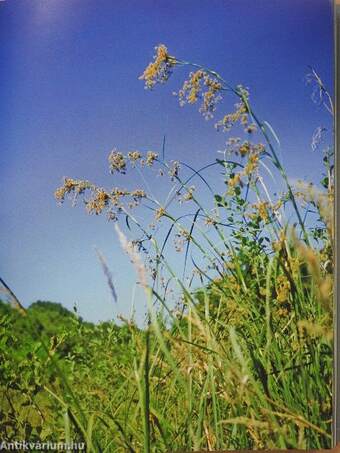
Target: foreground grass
234, 372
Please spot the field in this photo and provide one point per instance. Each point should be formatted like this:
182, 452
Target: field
236, 351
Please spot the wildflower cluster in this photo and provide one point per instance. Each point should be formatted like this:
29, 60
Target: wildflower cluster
262, 210
134, 156
77, 187
100, 199
245, 150
98, 202
282, 288
180, 240
294, 264
266, 212
235, 180
188, 195
151, 157
236, 147
240, 115
174, 169
118, 161
160, 212
160, 69
201, 86
249, 171
280, 243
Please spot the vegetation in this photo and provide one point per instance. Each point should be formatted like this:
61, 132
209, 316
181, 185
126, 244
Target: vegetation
244, 358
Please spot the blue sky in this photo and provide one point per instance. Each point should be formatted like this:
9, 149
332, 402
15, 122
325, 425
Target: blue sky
70, 93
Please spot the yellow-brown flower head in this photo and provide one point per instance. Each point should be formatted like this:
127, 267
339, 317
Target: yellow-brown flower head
189, 194
160, 69
174, 169
160, 212
239, 115
252, 164
134, 156
71, 186
279, 244
98, 202
150, 158
261, 210
282, 289
117, 162
244, 149
234, 180
201, 85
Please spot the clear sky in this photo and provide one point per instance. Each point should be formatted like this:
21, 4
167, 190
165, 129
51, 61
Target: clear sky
70, 93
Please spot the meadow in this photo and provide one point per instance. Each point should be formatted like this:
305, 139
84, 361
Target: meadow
236, 351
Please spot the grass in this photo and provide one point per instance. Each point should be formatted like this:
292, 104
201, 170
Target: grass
245, 358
